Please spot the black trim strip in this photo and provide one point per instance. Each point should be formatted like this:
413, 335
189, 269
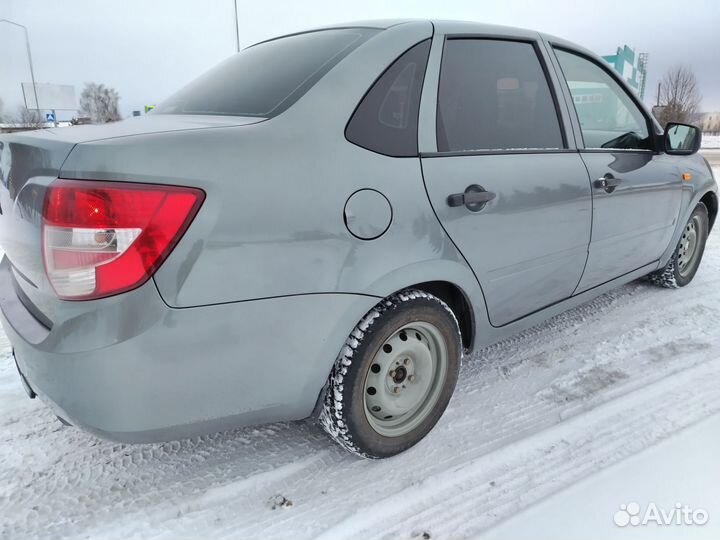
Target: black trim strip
19, 273
616, 151
500, 152
32, 308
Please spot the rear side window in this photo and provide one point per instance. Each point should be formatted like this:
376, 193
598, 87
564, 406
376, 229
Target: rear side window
494, 95
266, 79
386, 120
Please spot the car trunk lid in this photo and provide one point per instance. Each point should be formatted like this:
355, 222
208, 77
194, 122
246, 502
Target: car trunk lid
30, 161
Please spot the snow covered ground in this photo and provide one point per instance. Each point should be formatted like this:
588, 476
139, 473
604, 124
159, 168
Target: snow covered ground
711, 141
675, 470
564, 422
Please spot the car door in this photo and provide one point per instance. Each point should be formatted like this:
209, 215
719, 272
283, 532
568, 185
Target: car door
508, 188
636, 190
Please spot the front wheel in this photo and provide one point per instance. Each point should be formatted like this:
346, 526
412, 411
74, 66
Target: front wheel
684, 263
394, 377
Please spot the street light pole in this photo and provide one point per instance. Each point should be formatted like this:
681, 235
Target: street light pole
32, 71
237, 27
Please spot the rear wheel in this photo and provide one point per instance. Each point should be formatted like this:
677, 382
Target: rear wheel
394, 377
684, 263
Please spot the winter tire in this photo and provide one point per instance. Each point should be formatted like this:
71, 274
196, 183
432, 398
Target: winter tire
394, 377
683, 264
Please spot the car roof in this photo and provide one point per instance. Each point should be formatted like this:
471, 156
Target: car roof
370, 23
445, 26
449, 27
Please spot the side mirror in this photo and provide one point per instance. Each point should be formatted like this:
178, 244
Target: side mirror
681, 139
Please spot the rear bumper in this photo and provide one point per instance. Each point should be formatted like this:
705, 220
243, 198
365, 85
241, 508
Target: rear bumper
131, 369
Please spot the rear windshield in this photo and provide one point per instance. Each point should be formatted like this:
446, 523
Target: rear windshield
265, 79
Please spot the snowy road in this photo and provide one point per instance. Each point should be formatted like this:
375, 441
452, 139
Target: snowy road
713, 157
531, 416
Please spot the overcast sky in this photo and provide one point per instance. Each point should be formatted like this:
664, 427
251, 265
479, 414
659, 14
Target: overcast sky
148, 49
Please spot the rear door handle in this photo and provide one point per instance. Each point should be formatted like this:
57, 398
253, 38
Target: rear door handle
474, 198
607, 182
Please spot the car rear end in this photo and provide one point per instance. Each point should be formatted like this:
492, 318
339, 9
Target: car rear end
75, 276
129, 285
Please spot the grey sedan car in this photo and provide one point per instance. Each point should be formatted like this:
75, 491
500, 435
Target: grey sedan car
325, 223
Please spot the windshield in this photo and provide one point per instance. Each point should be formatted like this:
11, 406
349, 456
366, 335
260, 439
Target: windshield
265, 79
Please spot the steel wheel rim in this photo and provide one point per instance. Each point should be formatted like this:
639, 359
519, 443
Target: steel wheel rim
687, 248
405, 379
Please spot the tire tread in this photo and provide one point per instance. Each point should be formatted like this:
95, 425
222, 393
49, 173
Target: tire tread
331, 415
667, 277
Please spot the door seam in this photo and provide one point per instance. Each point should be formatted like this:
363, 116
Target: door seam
592, 223
437, 218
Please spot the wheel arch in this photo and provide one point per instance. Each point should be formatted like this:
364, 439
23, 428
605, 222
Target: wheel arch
708, 196
453, 294
710, 201
458, 302
451, 281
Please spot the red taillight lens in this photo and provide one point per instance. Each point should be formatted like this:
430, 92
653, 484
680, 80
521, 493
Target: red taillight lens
104, 238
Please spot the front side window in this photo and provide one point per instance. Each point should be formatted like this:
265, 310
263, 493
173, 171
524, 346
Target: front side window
608, 116
494, 95
267, 78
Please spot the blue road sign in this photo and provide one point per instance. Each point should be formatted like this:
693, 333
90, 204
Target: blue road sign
50, 117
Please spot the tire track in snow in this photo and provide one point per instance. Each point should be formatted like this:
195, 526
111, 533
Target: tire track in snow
133, 524
465, 500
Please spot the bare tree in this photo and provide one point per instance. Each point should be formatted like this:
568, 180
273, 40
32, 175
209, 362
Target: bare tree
680, 96
100, 103
30, 118
2, 107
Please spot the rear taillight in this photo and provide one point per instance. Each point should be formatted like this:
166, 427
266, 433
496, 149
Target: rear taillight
104, 238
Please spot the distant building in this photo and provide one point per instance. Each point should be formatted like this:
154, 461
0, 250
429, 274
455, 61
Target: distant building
709, 122
631, 67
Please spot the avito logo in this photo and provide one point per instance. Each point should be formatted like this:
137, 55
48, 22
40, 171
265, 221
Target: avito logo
681, 514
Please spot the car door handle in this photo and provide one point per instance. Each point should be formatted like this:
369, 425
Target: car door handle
607, 182
474, 198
